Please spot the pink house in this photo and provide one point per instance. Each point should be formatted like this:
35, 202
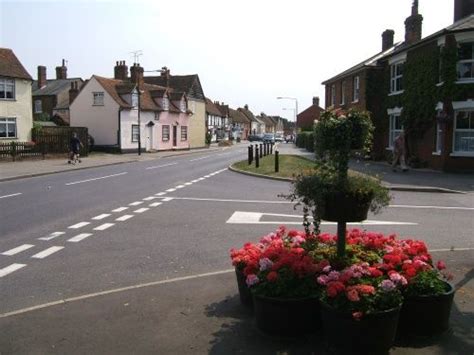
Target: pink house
124, 112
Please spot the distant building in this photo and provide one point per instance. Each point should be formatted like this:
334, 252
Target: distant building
217, 120
305, 119
16, 119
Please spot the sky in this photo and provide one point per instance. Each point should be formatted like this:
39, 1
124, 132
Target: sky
245, 52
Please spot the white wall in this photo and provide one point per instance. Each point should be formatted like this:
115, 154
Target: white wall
102, 121
129, 118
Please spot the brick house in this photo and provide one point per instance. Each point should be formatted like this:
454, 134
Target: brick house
217, 121
16, 119
422, 86
52, 97
240, 124
305, 119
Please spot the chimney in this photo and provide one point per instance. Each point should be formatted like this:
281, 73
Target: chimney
246, 107
413, 25
316, 101
165, 72
387, 39
61, 72
463, 8
41, 76
73, 92
120, 70
136, 75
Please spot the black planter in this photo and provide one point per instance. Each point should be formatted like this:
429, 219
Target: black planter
287, 317
340, 207
372, 334
244, 291
425, 315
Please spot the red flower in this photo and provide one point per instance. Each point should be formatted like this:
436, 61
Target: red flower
334, 288
272, 276
441, 265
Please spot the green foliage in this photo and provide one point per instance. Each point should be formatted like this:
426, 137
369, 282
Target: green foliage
426, 283
288, 285
208, 138
305, 140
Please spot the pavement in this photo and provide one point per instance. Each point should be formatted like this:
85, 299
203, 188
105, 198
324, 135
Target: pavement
202, 314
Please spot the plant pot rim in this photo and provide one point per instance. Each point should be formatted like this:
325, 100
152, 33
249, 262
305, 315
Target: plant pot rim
348, 313
449, 292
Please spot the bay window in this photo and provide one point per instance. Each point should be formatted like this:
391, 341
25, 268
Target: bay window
464, 132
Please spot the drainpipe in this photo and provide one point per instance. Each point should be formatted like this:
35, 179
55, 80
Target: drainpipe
119, 133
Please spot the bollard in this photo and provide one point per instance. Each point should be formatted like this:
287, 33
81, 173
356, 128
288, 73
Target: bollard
277, 162
257, 157
271, 148
264, 149
250, 153
267, 149
261, 150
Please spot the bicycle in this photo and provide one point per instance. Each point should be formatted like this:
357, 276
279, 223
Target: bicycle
74, 158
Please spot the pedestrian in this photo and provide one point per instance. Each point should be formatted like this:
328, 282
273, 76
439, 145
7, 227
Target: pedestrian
399, 152
74, 146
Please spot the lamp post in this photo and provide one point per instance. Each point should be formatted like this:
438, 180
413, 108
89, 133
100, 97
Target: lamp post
290, 98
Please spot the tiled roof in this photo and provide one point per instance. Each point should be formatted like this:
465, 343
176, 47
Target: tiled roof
312, 110
53, 86
247, 113
189, 84
237, 117
10, 66
212, 109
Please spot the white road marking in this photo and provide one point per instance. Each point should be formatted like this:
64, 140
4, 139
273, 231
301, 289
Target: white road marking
98, 178
160, 193
188, 183
101, 216
136, 203
18, 249
207, 176
160, 166
120, 209
117, 290
17, 194
79, 225
155, 204
450, 249
149, 198
141, 210
79, 237
166, 199
179, 187
52, 236
434, 207
239, 217
11, 268
231, 200
47, 252
200, 179
124, 217
170, 190
207, 156
194, 181
104, 226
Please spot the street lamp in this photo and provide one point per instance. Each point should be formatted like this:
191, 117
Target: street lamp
290, 98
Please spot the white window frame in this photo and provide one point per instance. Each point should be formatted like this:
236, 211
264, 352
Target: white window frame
38, 106
393, 132
396, 79
469, 130
98, 98
4, 84
9, 121
184, 133
166, 103
165, 133
466, 61
438, 139
343, 92
135, 99
355, 88
182, 105
333, 94
135, 132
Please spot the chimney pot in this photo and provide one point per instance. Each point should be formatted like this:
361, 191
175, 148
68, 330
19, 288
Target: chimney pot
41, 76
413, 25
387, 39
136, 75
120, 70
73, 92
316, 100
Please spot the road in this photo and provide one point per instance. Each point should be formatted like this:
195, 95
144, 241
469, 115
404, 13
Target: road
89, 231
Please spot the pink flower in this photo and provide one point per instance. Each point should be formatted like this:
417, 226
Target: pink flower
252, 279
333, 275
265, 264
323, 280
357, 315
387, 286
327, 268
353, 295
441, 265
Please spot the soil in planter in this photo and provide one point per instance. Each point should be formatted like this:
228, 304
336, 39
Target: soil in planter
287, 317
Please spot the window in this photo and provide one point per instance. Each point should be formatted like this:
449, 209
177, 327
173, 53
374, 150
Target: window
182, 105
135, 132
7, 89
465, 67
396, 78
464, 132
134, 99
343, 93
356, 89
184, 133
7, 127
395, 128
438, 138
165, 132
166, 104
333, 95
98, 99
38, 106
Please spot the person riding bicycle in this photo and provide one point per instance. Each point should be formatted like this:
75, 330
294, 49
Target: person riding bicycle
74, 146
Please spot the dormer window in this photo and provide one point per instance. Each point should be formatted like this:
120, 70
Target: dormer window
465, 67
7, 89
182, 105
166, 103
135, 99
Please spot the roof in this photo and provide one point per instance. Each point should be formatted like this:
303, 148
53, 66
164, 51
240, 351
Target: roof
53, 86
189, 84
10, 66
237, 117
247, 113
212, 109
313, 110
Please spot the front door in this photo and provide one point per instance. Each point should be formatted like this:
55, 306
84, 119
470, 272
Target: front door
175, 135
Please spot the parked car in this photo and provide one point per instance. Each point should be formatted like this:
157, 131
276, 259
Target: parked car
278, 137
269, 138
289, 138
255, 138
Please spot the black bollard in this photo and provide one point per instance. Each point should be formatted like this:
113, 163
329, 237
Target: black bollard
257, 160
261, 150
250, 153
277, 162
271, 148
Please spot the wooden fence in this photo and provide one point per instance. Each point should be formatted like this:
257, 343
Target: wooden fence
15, 150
